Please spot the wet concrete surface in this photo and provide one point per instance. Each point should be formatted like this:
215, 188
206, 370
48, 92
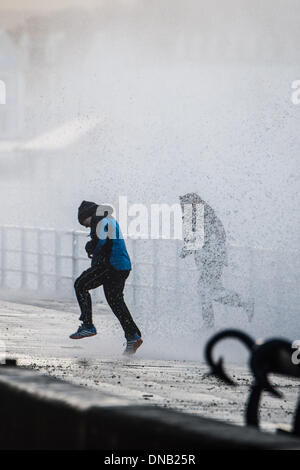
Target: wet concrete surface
37, 336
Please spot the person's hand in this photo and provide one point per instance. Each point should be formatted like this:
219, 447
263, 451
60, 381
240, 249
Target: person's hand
89, 248
184, 252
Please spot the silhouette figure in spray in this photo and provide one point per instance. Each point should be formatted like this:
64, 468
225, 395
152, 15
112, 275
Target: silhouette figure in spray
210, 258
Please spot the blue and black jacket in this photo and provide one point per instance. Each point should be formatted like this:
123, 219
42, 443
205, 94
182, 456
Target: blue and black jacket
107, 244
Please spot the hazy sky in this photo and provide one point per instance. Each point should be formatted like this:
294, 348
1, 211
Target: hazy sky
151, 99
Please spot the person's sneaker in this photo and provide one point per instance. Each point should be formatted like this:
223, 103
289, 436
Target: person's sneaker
132, 344
84, 332
249, 309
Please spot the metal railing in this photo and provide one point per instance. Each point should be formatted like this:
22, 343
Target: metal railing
32, 256
46, 262
67, 245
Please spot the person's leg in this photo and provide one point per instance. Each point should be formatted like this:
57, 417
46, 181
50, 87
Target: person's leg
113, 290
206, 298
227, 296
207, 308
89, 279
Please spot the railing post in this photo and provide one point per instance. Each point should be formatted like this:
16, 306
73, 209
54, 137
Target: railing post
134, 271
74, 256
279, 284
23, 259
251, 272
177, 275
154, 276
40, 260
3, 257
57, 262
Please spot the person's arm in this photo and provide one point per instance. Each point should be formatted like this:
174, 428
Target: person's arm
102, 239
92, 246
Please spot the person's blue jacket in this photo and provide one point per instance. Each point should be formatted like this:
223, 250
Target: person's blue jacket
109, 243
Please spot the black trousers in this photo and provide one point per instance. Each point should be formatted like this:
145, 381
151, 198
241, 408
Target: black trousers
113, 282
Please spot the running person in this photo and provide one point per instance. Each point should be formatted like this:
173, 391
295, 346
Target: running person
110, 267
210, 261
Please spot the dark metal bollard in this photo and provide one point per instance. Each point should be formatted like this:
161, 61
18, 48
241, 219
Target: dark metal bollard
217, 368
9, 363
274, 356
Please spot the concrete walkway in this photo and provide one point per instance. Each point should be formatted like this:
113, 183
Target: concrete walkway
37, 335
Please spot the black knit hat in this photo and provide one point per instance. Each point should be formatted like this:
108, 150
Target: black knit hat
191, 198
85, 210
